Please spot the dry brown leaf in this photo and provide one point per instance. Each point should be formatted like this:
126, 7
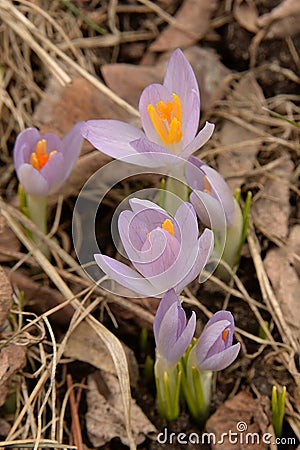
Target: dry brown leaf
105, 416
247, 95
194, 16
41, 298
84, 345
209, 72
5, 296
128, 80
280, 267
8, 241
272, 209
241, 415
12, 359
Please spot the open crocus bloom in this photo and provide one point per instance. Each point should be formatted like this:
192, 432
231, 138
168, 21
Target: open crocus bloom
172, 333
165, 251
43, 162
214, 349
170, 118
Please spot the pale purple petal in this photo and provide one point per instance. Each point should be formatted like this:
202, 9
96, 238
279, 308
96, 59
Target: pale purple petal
133, 234
194, 173
112, 137
32, 181
209, 210
150, 96
158, 254
125, 275
172, 350
196, 263
207, 339
72, 143
221, 360
186, 219
221, 191
190, 120
202, 137
54, 172
166, 302
180, 79
24, 146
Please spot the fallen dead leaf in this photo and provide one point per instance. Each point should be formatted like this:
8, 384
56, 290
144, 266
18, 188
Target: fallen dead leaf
105, 416
5, 297
128, 80
41, 298
280, 267
272, 209
194, 18
12, 359
240, 415
84, 345
246, 96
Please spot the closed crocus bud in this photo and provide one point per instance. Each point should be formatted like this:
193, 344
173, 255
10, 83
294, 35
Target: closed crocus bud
217, 209
166, 251
172, 335
43, 162
214, 349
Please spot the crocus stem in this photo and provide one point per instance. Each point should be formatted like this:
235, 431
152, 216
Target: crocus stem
37, 212
176, 185
168, 393
197, 392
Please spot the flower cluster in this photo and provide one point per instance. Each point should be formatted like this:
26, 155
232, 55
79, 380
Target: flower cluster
163, 243
184, 364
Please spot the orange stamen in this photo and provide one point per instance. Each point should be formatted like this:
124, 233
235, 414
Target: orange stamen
40, 157
168, 226
225, 334
166, 118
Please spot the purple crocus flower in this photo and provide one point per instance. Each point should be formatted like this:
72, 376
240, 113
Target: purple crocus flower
165, 251
43, 162
172, 333
211, 196
214, 349
170, 117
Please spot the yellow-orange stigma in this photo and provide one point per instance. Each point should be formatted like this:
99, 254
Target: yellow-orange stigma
168, 226
40, 157
225, 334
166, 118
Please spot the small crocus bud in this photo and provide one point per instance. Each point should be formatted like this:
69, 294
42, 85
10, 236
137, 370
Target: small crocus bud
217, 209
214, 349
166, 251
43, 162
172, 335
